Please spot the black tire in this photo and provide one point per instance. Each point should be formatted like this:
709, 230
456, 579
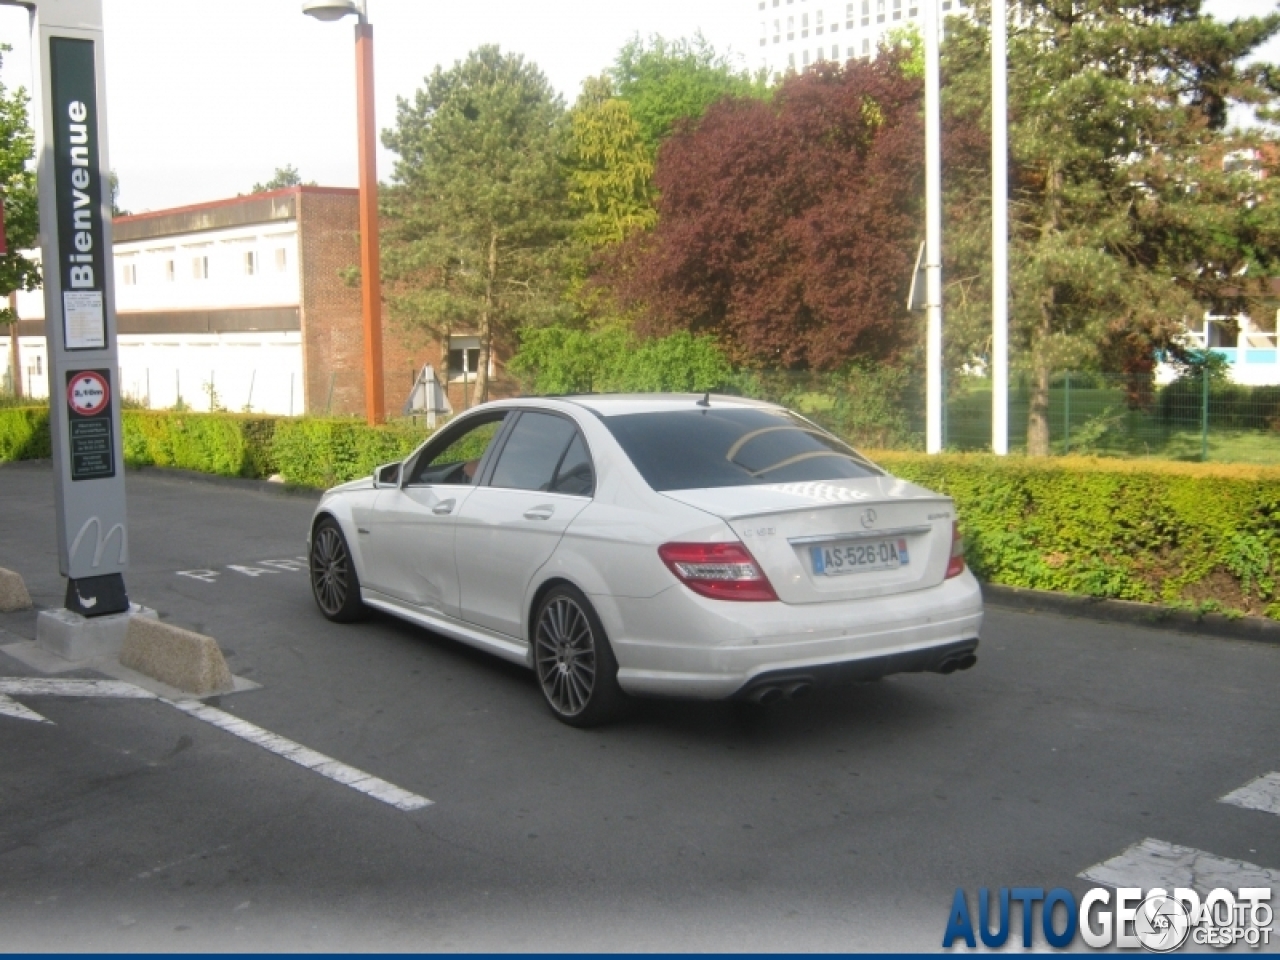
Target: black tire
576, 669
334, 581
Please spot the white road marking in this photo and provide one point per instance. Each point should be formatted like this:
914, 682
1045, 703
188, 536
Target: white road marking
45, 687
1155, 863
289, 565
312, 760
1261, 794
205, 576
306, 757
250, 571
12, 708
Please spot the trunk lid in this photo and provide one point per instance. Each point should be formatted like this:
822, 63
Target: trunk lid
843, 539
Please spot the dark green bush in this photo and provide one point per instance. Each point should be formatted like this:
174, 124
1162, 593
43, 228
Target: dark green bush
24, 433
324, 452
1204, 537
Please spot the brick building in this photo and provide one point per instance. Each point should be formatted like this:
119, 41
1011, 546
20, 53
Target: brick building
250, 303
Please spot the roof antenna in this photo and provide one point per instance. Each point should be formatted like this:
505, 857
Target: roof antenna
706, 399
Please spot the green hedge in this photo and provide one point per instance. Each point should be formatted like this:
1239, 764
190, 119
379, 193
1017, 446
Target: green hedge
1204, 537
24, 433
306, 452
226, 444
321, 453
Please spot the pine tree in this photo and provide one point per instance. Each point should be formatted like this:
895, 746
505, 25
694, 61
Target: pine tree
477, 214
1125, 220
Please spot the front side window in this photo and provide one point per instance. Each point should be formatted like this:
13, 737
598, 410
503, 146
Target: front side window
458, 460
732, 447
532, 456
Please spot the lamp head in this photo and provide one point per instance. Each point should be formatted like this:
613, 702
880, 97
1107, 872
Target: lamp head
331, 10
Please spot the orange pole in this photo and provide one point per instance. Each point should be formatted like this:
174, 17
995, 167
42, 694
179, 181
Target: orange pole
370, 261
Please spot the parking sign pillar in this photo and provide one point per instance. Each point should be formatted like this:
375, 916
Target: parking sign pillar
69, 117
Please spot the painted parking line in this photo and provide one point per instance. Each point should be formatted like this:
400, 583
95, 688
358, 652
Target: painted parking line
312, 760
1155, 863
305, 757
1261, 794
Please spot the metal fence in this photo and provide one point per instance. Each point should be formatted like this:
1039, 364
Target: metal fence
1193, 419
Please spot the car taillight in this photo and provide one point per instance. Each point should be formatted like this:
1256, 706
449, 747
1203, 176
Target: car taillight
725, 571
955, 566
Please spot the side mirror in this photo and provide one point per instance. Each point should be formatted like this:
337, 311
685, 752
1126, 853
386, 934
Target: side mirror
387, 475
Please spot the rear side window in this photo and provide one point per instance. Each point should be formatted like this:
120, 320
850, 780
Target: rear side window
532, 453
693, 449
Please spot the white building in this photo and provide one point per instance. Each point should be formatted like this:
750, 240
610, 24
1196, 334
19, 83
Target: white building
240, 304
793, 34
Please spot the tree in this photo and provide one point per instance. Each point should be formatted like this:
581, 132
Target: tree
668, 81
18, 193
286, 176
1124, 218
477, 216
113, 184
787, 229
610, 167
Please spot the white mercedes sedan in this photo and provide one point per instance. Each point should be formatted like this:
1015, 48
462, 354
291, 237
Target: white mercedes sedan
654, 545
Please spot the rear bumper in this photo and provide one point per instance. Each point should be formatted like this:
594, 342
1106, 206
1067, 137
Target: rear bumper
679, 644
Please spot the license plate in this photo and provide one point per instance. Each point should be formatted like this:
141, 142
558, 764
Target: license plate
859, 556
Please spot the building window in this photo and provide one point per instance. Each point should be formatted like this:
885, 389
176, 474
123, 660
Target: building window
168, 270
946, 4
464, 357
804, 25
791, 60
866, 13
913, 11
879, 11
282, 259
251, 262
777, 30
834, 26
761, 4
129, 274
897, 9
200, 268
835, 51
817, 24
849, 52
804, 56
866, 47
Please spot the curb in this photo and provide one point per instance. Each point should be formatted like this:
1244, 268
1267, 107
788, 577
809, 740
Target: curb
241, 483
1257, 629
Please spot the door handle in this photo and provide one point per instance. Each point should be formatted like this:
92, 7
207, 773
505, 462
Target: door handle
443, 507
543, 512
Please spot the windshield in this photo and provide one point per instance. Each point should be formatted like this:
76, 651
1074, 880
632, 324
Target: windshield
694, 449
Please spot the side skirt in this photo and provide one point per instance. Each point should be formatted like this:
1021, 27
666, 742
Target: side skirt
497, 644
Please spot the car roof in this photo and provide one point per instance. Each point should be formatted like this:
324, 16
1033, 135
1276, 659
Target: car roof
619, 404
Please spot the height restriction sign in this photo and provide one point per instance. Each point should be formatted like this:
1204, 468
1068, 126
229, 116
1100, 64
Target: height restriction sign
88, 393
89, 424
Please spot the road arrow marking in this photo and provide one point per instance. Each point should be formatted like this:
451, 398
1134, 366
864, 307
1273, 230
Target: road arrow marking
12, 708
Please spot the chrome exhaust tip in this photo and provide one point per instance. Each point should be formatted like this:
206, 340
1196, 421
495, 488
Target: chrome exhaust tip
798, 690
765, 695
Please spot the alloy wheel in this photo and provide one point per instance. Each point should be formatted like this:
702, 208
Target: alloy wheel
565, 651
330, 570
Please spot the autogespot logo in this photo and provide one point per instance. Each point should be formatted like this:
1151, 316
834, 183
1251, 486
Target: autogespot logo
1155, 920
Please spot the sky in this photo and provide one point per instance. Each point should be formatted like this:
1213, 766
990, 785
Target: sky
205, 99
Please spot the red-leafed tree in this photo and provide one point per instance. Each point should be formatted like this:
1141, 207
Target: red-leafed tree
788, 228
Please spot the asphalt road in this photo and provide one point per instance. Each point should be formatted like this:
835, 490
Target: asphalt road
844, 822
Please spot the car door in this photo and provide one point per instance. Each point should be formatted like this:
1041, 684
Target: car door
509, 526
412, 526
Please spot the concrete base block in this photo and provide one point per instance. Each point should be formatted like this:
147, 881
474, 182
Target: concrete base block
74, 637
189, 661
13, 592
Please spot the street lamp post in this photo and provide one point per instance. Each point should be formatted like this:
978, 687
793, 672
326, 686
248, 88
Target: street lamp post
999, 229
933, 227
370, 269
